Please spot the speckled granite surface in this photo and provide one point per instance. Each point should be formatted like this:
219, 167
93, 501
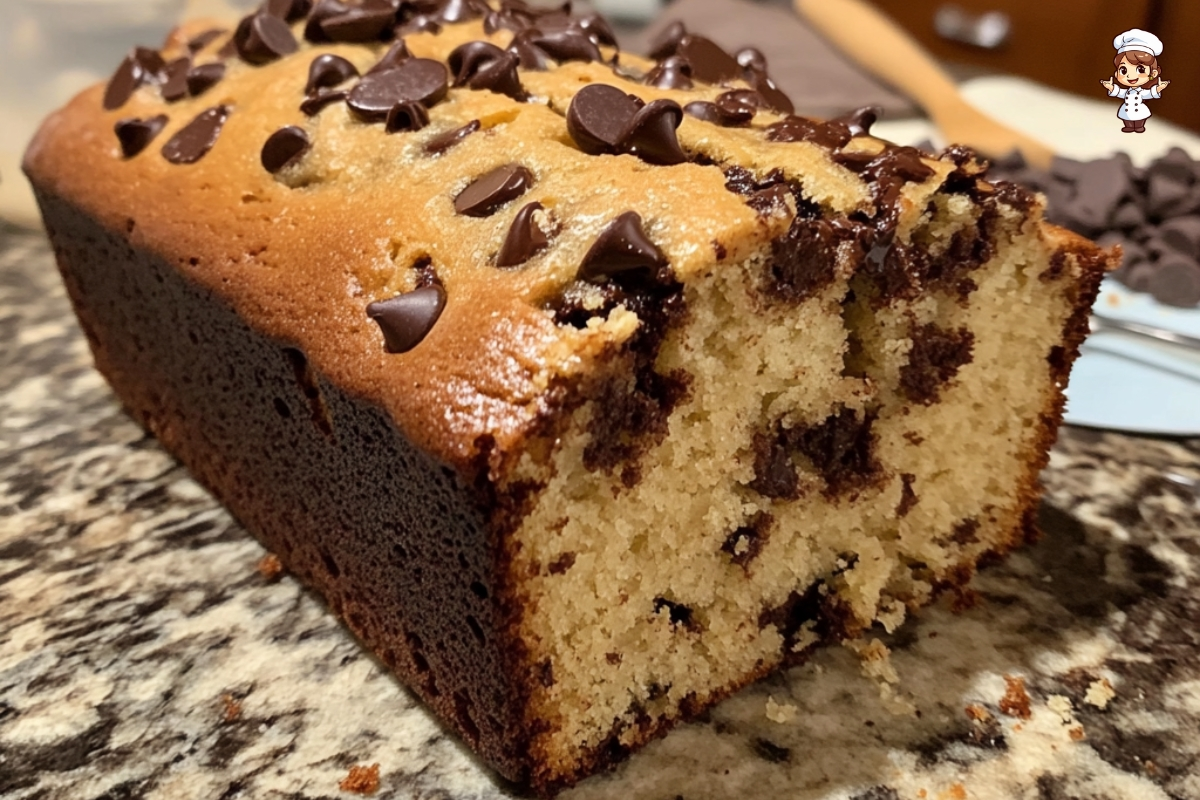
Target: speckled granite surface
142, 654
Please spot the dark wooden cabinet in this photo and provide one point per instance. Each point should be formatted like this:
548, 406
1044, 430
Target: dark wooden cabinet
1063, 43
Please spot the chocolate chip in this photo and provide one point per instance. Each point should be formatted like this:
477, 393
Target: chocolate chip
801, 129
461, 10
1182, 234
709, 62
365, 23
1176, 165
673, 72
504, 20
284, 147
200, 41
524, 238
405, 320
597, 29
860, 120
598, 116
174, 85
711, 112
287, 10
203, 77
327, 71
740, 180
261, 38
324, 9
1101, 186
395, 55
904, 163
529, 56
482, 66
1138, 276
1164, 193
805, 260
140, 66
622, 247
751, 59
854, 160
444, 141
421, 23
567, 45
313, 104
774, 96
705, 111
192, 141
650, 134
1066, 168
936, 356
406, 117
484, 195
667, 41
739, 106
769, 200
134, 134
151, 61
417, 80
1176, 282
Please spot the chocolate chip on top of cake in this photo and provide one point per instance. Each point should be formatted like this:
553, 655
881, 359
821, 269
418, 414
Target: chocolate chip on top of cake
586, 388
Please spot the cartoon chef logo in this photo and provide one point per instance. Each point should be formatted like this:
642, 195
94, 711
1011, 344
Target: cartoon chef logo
1137, 77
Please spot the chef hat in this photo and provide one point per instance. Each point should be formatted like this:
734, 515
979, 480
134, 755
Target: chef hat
1138, 39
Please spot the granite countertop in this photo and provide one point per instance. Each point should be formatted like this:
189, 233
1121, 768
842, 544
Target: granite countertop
144, 654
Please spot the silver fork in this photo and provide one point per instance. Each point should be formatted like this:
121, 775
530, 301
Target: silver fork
1100, 322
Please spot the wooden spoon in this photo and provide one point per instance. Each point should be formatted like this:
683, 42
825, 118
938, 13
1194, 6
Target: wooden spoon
883, 48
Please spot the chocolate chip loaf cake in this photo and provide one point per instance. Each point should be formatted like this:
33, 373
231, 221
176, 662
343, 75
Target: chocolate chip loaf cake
585, 388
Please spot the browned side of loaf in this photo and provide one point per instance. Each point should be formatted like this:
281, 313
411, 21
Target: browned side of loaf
399, 546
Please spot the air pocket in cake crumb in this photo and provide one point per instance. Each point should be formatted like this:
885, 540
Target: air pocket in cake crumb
745, 543
681, 616
306, 379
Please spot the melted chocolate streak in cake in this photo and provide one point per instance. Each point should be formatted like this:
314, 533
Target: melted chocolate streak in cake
841, 449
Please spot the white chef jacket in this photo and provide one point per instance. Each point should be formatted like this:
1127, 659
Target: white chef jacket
1134, 106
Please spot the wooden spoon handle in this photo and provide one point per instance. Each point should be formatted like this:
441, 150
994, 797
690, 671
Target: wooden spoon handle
882, 47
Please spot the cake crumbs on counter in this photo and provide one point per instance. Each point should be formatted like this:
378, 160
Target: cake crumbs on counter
1099, 694
270, 567
1061, 705
232, 708
361, 779
780, 712
1015, 702
978, 713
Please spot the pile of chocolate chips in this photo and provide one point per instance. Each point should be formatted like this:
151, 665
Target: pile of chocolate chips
1153, 212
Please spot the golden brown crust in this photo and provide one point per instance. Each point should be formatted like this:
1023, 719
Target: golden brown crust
1089, 264
301, 254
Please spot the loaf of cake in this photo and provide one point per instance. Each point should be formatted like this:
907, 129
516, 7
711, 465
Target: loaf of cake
585, 388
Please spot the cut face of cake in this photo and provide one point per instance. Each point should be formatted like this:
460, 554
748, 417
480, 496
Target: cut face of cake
585, 389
